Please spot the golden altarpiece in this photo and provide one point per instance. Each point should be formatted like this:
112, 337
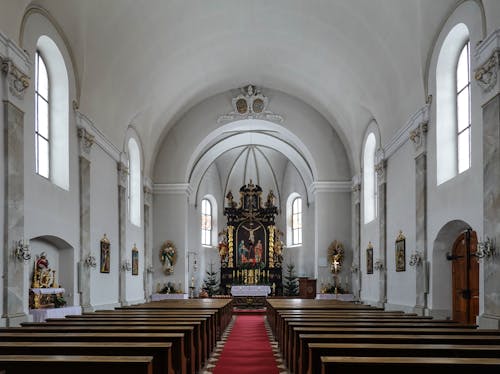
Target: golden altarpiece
251, 248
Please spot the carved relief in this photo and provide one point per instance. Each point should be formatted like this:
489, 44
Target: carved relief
86, 140
18, 81
486, 74
418, 137
122, 174
148, 196
251, 103
380, 169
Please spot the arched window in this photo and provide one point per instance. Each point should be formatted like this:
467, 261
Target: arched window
206, 222
453, 110
369, 180
42, 142
51, 113
297, 221
134, 190
463, 109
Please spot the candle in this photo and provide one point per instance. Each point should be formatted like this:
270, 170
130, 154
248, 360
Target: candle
192, 281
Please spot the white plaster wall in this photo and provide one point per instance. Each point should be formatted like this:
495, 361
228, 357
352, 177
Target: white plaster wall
2, 194
170, 222
460, 197
135, 283
492, 10
370, 282
401, 286
103, 220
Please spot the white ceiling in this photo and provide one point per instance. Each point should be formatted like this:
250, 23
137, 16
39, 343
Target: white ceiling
148, 62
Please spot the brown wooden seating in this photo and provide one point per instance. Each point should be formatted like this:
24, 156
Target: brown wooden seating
409, 365
316, 350
76, 364
161, 352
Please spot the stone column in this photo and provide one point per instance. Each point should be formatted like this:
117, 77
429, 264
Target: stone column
418, 138
356, 237
486, 75
122, 224
148, 256
14, 81
381, 169
85, 140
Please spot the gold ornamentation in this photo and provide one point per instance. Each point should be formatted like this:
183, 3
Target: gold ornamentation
336, 256
230, 230
271, 246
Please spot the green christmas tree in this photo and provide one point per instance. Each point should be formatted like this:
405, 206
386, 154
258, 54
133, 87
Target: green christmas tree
291, 284
210, 285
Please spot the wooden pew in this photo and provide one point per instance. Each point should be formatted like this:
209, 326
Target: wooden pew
14, 364
316, 350
188, 331
305, 339
85, 326
177, 339
161, 352
409, 365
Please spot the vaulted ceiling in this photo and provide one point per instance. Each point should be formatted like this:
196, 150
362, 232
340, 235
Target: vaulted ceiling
148, 62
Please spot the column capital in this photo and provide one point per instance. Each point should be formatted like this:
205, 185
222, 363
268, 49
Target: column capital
381, 170
122, 174
17, 80
487, 56
356, 189
85, 142
418, 137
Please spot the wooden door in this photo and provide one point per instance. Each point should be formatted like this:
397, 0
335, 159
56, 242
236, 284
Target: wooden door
465, 278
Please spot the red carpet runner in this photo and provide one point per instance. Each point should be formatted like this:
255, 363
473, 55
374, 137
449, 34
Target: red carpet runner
247, 349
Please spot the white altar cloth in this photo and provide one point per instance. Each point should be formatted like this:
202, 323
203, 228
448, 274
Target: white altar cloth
40, 315
47, 291
251, 290
332, 296
167, 296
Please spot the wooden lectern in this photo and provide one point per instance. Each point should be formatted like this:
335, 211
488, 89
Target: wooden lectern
307, 288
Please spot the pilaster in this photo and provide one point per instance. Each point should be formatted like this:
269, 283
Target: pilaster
356, 236
148, 245
381, 170
486, 75
122, 223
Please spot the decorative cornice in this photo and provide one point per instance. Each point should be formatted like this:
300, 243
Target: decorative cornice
402, 136
330, 186
16, 65
11, 51
250, 103
172, 188
84, 122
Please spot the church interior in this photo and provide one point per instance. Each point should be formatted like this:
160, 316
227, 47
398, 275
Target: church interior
232, 162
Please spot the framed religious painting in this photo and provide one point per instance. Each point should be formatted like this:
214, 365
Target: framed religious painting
400, 252
135, 261
369, 259
105, 255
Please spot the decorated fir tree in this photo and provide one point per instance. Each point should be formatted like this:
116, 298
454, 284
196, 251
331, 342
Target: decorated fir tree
291, 283
211, 285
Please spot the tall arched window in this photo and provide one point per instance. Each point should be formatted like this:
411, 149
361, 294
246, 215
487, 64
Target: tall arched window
369, 180
42, 132
463, 109
51, 113
134, 190
453, 110
206, 222
297, 221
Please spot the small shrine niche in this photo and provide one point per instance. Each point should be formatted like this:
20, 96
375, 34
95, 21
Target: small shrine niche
250, 248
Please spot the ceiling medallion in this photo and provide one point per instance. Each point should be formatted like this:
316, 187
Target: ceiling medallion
250, 103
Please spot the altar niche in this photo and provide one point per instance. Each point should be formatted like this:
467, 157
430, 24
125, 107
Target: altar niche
251, 247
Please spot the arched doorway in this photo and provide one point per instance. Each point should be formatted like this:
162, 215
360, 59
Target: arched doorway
465, 278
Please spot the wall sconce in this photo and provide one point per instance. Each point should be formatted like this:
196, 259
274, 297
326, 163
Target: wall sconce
150, 269
378, 265
90, 261
354, 269
416, 258
22, 251
486, 248
126, 265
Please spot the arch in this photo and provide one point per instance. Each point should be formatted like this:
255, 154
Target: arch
371, 144
440, 277
235, 134
289, 217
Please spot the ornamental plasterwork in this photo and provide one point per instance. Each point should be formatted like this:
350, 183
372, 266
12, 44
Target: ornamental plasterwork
418, 137
486, 74
250, 104
86, 141
18, 81
380, 169
122, 174
356, 188
148, 196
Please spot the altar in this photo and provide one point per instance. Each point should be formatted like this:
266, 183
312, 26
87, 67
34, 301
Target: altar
252, 290
40, 315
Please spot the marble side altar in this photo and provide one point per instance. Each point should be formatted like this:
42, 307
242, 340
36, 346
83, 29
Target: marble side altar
251, 290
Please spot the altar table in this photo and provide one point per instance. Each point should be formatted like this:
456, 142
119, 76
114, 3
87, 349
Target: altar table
168, 296
251, 290
332, 296
40, 315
